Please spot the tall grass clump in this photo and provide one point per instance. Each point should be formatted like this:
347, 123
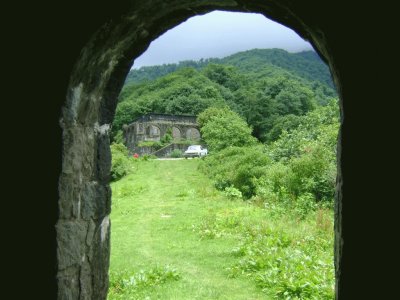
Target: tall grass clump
133, 285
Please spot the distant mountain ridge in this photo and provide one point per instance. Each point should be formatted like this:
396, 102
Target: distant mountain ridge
305, 64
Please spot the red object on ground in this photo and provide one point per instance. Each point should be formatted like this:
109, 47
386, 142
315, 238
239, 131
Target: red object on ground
135, 155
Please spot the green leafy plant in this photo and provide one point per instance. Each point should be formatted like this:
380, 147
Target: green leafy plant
223, 128
120, 162
176, 153
286, 266
128, 284
232, 193
296, 170
237, 167
151, 144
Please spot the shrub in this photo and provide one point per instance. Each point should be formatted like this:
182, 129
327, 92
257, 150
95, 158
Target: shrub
300, 182
296, 171
281, 123
304, 162
312, 173
317, 127
120, 163
176, 153
166, 139
119, 148
305, 204
232, 193
237, 167
118, 138
151, 144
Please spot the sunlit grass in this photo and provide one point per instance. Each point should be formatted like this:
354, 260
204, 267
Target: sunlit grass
189, 241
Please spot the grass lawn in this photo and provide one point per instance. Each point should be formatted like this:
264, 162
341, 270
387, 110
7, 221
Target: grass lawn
174, 236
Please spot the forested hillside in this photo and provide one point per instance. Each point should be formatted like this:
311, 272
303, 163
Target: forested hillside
264, 86
306, 64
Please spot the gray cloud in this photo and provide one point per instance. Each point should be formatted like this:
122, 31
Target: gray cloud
219, 34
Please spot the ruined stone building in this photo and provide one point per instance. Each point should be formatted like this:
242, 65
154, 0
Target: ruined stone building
153, 127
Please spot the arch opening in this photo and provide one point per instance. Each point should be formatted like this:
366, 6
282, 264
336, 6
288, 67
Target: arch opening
176, 133
193, 134
153, 133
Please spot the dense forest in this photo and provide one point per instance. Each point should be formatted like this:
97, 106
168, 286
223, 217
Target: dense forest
266, 87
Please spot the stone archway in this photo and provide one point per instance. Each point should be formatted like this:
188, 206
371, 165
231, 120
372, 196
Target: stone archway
192, 134
153, 132
176, 133
83, 228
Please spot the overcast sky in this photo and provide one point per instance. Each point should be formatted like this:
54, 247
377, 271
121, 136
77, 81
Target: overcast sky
219, 34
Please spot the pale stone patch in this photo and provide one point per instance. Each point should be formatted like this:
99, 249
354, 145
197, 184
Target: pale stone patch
104, 227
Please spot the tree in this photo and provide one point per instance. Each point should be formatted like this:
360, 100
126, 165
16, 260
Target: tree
222, 128
226, 76
282, 123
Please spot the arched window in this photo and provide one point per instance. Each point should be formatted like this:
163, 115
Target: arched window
176, 133
193, 134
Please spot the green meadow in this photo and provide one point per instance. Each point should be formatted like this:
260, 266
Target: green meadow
175, 236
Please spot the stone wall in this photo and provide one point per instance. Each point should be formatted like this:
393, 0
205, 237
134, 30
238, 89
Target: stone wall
92, 44
83, 227
163, 152
103, 56
154, 127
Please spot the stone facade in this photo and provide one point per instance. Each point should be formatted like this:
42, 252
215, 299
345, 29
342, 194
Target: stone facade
154, 127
